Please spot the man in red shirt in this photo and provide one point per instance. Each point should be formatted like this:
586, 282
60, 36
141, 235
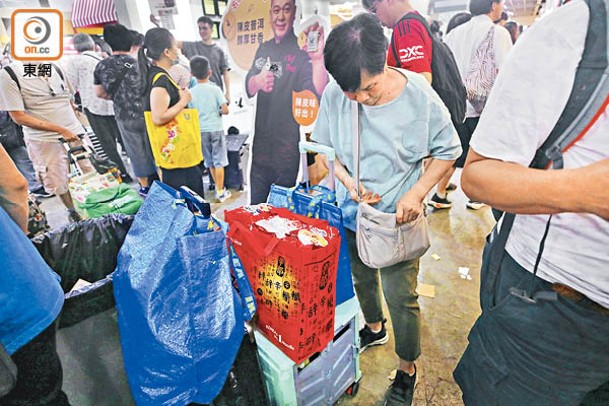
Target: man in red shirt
410, 39
412, 45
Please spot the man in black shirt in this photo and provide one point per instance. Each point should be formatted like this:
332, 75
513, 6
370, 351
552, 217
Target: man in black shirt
117, 78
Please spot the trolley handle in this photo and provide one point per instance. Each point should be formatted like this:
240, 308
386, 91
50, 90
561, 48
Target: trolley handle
80, 137
79, 152
306, 146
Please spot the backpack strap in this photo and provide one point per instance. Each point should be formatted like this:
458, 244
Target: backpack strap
395, 53
13, 76
419, 18
405, 17
588, 96
588, 100
59, 72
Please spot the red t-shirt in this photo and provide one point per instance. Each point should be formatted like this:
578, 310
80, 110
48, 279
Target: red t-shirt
413, 46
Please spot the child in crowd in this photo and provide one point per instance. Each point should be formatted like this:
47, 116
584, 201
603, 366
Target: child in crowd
209, 99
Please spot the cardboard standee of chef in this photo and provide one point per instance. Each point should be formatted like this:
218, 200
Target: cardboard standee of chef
286, 75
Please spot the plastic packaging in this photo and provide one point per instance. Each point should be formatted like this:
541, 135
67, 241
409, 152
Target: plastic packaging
86, 250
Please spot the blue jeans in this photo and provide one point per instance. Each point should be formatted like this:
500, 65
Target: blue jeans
24, 164
551, 353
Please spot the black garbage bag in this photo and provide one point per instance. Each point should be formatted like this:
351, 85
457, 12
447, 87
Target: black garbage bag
244, 385
85, 250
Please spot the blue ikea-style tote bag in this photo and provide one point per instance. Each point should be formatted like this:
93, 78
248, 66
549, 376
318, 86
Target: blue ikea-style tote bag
181, 319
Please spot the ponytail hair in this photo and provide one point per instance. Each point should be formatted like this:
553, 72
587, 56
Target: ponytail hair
144, 65
156, 41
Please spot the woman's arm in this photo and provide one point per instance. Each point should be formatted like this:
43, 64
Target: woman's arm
340, 173
159, 105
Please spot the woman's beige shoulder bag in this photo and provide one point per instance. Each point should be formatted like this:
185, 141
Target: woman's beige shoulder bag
381, 242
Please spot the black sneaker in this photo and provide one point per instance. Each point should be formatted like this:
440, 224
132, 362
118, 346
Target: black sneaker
73, 216
439, 202
41, 193
401, 391
367, 338
471, 204
143, 191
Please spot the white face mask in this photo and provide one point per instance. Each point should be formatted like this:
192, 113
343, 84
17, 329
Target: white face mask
177, 60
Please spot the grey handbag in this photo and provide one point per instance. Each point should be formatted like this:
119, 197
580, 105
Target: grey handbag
381, 241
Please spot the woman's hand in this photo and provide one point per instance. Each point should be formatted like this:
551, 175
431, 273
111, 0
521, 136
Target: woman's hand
185, 97
365, 195
408, 208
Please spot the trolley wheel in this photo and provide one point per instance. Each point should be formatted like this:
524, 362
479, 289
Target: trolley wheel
352, 390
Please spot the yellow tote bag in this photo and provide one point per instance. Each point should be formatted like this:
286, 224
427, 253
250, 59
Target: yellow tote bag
176, 144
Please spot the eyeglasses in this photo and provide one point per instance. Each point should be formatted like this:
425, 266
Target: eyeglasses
371, 5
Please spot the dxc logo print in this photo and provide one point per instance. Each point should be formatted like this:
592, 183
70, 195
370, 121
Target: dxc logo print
412, 53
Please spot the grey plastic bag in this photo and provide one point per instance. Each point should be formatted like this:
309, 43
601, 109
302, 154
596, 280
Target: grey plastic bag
8, 372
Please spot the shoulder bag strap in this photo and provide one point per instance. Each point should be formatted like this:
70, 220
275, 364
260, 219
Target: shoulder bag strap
158, 76
112, 90
93, 56
356, 146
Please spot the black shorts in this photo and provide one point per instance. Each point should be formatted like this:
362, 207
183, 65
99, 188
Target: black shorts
190, 177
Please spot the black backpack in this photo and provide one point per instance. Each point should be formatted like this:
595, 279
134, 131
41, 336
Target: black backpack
11, 135
446, 79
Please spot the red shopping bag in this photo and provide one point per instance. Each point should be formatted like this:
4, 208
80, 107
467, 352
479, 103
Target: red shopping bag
294, 282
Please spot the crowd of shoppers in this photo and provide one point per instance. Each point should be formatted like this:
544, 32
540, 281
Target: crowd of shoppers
541, 337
